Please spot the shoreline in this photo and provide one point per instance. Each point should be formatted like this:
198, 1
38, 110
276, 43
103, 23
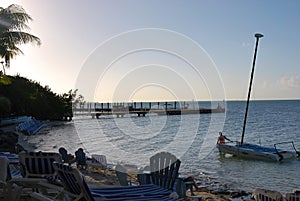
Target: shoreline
211, 189
23, 141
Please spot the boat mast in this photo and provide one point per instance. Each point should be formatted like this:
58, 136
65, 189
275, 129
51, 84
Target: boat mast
257, 36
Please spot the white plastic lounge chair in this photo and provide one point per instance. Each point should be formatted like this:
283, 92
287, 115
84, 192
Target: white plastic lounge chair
4, 167
266, 195
99, 161
14, 163
7, 192
31, 126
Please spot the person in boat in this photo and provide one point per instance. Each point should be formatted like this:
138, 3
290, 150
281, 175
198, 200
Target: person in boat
222, 138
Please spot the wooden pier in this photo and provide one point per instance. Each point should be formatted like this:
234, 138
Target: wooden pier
160, 108
143, 112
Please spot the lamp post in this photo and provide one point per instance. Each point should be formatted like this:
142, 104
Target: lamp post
257, 36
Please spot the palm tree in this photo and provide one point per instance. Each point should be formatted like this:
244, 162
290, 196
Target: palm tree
13, 20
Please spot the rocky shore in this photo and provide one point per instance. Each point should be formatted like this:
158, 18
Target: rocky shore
8, 139
209, 188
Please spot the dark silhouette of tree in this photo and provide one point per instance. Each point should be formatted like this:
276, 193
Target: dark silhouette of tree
26, 97
13, 24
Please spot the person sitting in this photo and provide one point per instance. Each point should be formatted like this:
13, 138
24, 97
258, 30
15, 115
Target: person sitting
222, 138
66, 158
80, 159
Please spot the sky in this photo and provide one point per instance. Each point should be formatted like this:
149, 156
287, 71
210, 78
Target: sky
138, 50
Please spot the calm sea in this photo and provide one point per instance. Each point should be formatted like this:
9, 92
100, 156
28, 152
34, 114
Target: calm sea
192, 138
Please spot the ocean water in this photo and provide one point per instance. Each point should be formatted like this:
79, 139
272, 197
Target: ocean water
192, 138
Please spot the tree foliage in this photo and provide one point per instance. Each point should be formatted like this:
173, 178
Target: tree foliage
13, 24
27, 97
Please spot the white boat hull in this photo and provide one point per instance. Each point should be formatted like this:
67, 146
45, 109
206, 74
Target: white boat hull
267, 154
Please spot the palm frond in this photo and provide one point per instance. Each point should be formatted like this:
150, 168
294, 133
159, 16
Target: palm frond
13, 20
20, 37
14, 17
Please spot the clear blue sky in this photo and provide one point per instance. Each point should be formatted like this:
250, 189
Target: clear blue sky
75, 32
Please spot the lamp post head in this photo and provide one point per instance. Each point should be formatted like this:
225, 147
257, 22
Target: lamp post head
258, 35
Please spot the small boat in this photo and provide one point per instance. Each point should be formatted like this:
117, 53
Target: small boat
257, 152
253, 151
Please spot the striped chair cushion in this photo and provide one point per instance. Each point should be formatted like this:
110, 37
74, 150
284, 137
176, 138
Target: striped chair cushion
38, 164
76, 186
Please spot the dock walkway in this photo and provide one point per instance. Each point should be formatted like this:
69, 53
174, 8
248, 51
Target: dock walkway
122, 109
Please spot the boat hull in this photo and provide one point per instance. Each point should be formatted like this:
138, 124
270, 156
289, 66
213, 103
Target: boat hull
256, 152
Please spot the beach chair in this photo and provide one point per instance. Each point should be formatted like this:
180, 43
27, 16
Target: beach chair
99, 161
164, 168
76, 188
7, 192
35, 196
122, 176
13, 158
31, 126
266, 195
37, 170
295, 196
38, 164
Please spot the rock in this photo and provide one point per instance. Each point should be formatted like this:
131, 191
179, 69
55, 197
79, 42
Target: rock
235, 195
238, 194
8, 141
220, 192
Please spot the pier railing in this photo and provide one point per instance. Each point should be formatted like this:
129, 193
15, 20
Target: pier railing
143, 108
